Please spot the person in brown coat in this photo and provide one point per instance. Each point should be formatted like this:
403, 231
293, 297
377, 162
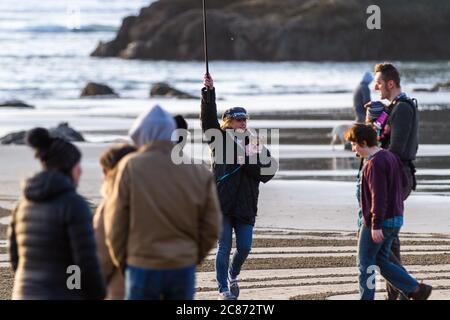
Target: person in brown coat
162, 218
113, 276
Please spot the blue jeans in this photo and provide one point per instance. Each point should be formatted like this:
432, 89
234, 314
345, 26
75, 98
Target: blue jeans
372, 254
244, 237
148, 284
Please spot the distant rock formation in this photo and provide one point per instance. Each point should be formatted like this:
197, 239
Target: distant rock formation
97, 89
162, 89
281, 30
437, 87
15, 104
63, 131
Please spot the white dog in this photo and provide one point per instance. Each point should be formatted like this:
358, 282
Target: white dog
337, 134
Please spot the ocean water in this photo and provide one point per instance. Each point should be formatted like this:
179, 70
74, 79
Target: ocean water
45, 62
46, 46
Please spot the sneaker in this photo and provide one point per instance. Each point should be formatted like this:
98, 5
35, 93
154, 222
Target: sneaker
423, 293
234, 286
226, 295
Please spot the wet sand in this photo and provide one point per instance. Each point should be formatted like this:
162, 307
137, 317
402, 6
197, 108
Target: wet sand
311, 202
297, 198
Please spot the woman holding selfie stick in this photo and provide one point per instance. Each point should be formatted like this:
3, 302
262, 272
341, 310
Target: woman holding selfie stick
237, 184
237, 180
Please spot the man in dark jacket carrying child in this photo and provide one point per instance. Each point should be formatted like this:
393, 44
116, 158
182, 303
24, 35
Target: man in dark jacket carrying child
403, 139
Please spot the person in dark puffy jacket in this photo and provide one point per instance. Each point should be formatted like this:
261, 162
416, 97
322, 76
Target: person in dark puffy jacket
51, 239
237, 180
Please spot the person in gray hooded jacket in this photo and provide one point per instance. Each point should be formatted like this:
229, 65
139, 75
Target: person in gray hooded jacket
162, 217
361, 96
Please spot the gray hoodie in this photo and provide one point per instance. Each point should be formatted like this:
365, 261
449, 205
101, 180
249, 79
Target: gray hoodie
361, 96
155, 125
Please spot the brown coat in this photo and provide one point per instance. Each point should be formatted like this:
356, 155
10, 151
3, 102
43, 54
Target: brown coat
161, 215
114, 278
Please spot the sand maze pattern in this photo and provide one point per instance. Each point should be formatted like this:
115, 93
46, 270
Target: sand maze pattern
286, 264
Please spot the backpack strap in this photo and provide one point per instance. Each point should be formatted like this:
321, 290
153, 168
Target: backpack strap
411, 101
226, 175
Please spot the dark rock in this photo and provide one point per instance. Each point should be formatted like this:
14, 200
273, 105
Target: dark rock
14, 138
63, 131
422, 90
97, 89
16, 104
162, 89
441, 87
437, 87
111, 49
278, 30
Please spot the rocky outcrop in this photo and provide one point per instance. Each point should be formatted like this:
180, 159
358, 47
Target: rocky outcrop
15, 104
278, 30
63, 131
437, 87
96, 89
162, 89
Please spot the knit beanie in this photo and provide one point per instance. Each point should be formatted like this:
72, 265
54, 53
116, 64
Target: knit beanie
374, 110
54, 153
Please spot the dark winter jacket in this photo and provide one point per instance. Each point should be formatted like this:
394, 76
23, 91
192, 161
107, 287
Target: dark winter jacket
51, 229
237, 184
404, 129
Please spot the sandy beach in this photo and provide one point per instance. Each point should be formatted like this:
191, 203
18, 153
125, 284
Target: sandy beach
304, 245
286, 202
306, 224
307, 161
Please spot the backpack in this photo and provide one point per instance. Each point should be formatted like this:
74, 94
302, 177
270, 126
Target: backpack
409, 166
